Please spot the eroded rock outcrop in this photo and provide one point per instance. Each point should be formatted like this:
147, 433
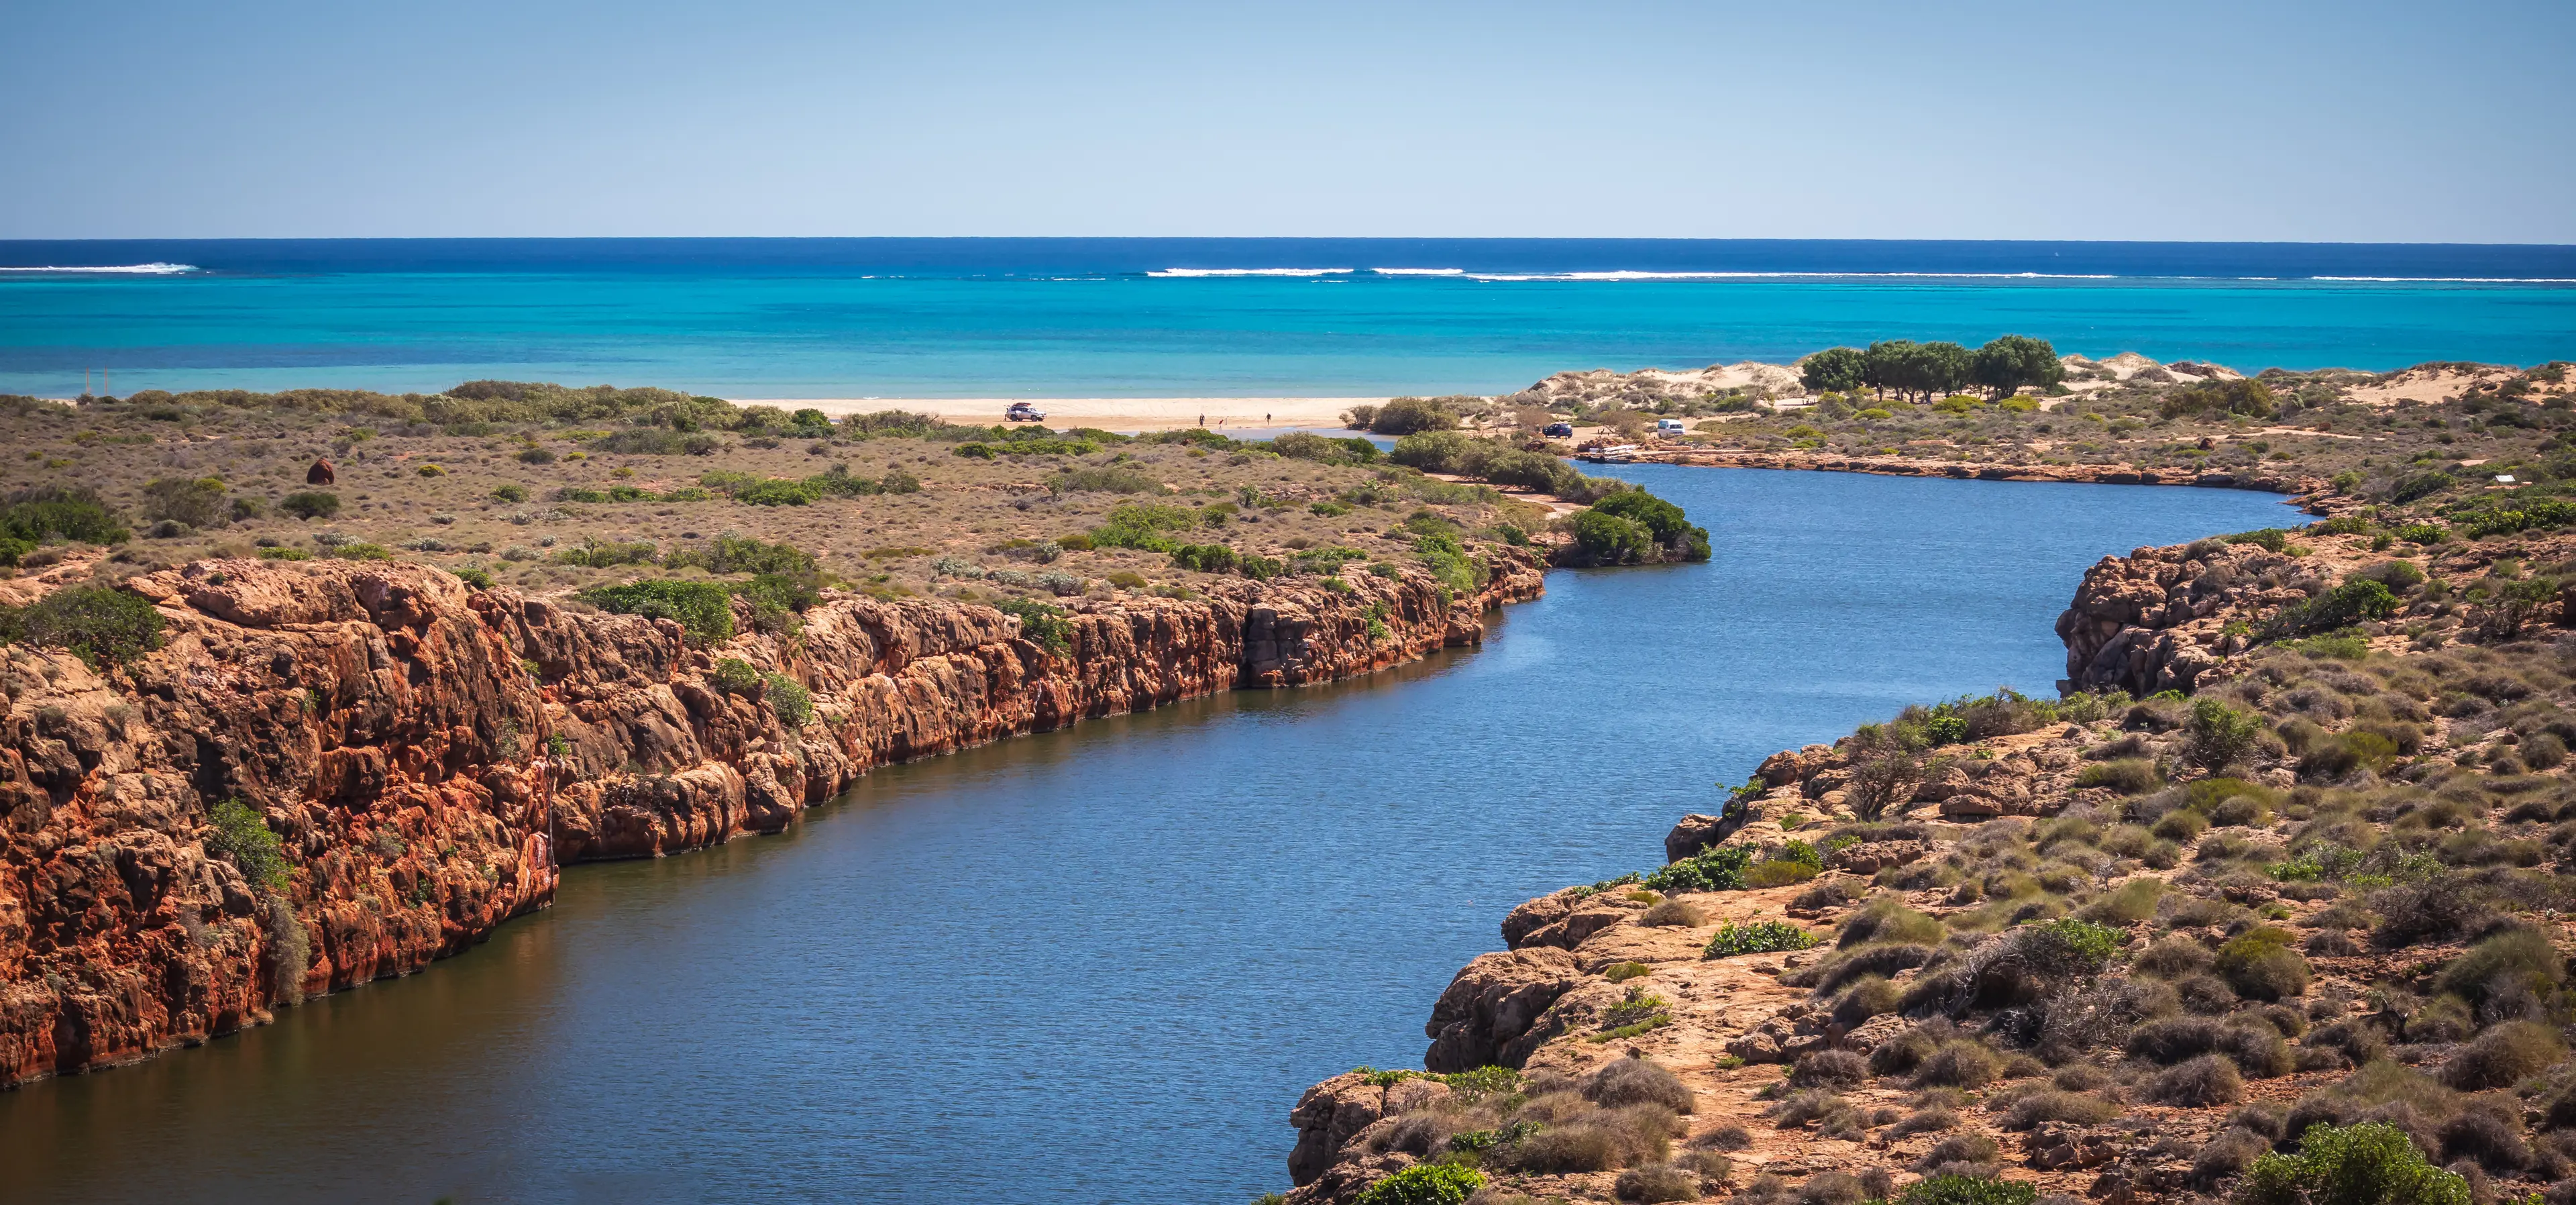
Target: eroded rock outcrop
429, 754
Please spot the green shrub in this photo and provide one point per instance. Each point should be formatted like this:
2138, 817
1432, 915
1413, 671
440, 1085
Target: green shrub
195, 501
1205, 558
1042, 624
2133, 901
740, 554
788, 700
2516, 958
243, 837
704, 610
2342, 607
776, 491
1406, 415
1969, 1190
1663, 520
1423, 1184
310, 504
1760, 937
2128, 775
1716, 868
1607, 539
1779, 873
2219, 735
734, 676
2373, 1163
474, 576
100, 626
2079, 944
2260, 965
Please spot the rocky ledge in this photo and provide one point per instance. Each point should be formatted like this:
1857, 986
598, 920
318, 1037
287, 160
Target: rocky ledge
427, 755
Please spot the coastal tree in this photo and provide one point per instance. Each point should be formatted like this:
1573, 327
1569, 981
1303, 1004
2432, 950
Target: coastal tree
1834, 370
1883, 365
2009, 362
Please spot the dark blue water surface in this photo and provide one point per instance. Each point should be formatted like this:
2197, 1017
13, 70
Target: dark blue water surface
1098, 965
931, 318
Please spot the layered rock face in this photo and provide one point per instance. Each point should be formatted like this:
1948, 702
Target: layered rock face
2158, 619
429, 755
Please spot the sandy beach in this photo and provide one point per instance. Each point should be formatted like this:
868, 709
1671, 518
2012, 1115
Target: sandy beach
1108, 413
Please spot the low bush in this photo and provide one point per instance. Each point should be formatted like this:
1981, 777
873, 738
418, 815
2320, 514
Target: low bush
1637, 1081
310, 504
242, 837
1959, 1063
2197, 1083
1829, 1069
2260, 965
2077, 1107
101, 626
1759, 937
1656, 1182
2372, 1163
2504, 1056
1423, 1184
2128, 776
1042, 624
1716, 868
1969, 1190
704, 610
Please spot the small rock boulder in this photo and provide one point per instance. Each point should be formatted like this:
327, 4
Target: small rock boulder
321, 473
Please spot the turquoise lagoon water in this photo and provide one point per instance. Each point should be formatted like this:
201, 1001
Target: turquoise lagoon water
1098, 965
1209, 317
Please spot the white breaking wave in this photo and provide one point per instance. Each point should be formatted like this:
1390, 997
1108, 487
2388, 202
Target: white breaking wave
120, 269
1419, 271
1633, 275
1252, 272
2454, 280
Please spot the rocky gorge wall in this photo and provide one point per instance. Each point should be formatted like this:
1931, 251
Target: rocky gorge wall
430, 754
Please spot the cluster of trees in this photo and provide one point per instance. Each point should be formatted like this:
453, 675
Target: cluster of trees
1928, 370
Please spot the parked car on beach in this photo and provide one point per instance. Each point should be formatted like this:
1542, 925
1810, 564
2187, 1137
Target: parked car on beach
1022, 412
1558, 431
1670, 428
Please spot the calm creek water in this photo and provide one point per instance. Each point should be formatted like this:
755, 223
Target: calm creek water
1098, 965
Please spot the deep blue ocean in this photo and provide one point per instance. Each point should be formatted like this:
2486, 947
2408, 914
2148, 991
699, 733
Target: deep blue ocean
1210, 317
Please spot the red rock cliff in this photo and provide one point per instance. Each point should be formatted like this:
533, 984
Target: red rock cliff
429, 755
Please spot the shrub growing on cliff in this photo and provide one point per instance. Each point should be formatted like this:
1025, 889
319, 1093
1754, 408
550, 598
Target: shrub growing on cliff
704, 610
1042, 624
788, 700
243, 838
2368, 1164
100, 626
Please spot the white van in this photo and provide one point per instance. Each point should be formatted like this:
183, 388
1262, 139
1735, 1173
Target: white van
1669, 428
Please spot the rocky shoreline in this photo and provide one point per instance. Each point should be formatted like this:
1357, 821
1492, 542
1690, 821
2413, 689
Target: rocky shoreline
431, 754
1685, 1034
1898, 466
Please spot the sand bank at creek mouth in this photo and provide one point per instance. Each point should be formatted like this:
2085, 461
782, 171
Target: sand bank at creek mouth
1109, 413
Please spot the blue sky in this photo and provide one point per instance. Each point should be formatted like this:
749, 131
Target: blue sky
2346, 121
